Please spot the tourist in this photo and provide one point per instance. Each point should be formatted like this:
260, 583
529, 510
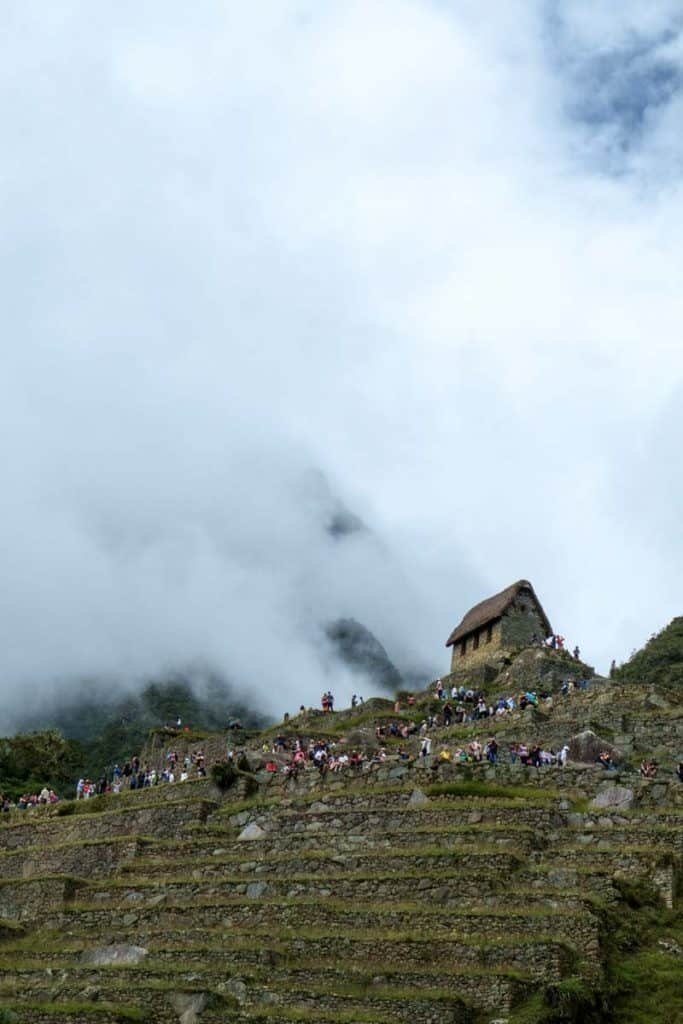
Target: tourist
492, 750
475, 749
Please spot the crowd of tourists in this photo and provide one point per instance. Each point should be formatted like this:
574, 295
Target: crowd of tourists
460, 705
472, 704
531, 755
555, 642
26, 801
133, 775
320, 754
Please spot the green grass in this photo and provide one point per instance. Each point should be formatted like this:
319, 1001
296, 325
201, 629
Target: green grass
642, 944
70, 881
111, 804
645, 949
336, 987
73, 1007
312, 1015
379, 908
493, 791
649, 986
274, 937
20, 851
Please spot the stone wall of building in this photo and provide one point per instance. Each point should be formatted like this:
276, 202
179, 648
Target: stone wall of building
478, 648
521, 622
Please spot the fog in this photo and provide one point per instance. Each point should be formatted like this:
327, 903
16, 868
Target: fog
403, 259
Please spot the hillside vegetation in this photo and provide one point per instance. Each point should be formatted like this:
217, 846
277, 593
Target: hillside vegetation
660, 661
105, 727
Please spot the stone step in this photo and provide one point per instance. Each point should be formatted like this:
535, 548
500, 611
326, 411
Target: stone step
541, 954
318, 963
203, 842
341, 818
452, 1003
450, 785
87, 858
74, 1012
324, 834
409, 961
415, 959
656, 838
31, 900
390, 883
333, 989
564, 917
124, 819
454, 858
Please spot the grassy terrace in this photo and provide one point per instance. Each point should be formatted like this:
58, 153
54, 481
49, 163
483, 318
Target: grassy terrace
410, 826
333, 991
164, 792
363, 786
350, 976
214, 885
379, 909
331, 855
61, 950
77, 1009
70, 844
310, 1015
223, 838
213, 865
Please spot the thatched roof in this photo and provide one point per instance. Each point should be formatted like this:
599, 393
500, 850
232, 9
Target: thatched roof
486, 612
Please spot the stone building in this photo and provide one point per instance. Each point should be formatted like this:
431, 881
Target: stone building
507, 620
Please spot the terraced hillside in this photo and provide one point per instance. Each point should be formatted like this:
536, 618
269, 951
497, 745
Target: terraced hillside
408, 890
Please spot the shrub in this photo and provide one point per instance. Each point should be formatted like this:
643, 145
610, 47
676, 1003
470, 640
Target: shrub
224, 774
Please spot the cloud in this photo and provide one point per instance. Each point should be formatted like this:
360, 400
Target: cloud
622, 72
427, 254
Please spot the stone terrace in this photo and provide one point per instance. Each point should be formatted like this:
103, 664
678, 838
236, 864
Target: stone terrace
402, 893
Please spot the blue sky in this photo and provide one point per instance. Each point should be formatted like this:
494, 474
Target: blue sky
403, 255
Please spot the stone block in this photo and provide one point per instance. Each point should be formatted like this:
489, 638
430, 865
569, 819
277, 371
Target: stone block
117, 953
609, 795
251, 833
